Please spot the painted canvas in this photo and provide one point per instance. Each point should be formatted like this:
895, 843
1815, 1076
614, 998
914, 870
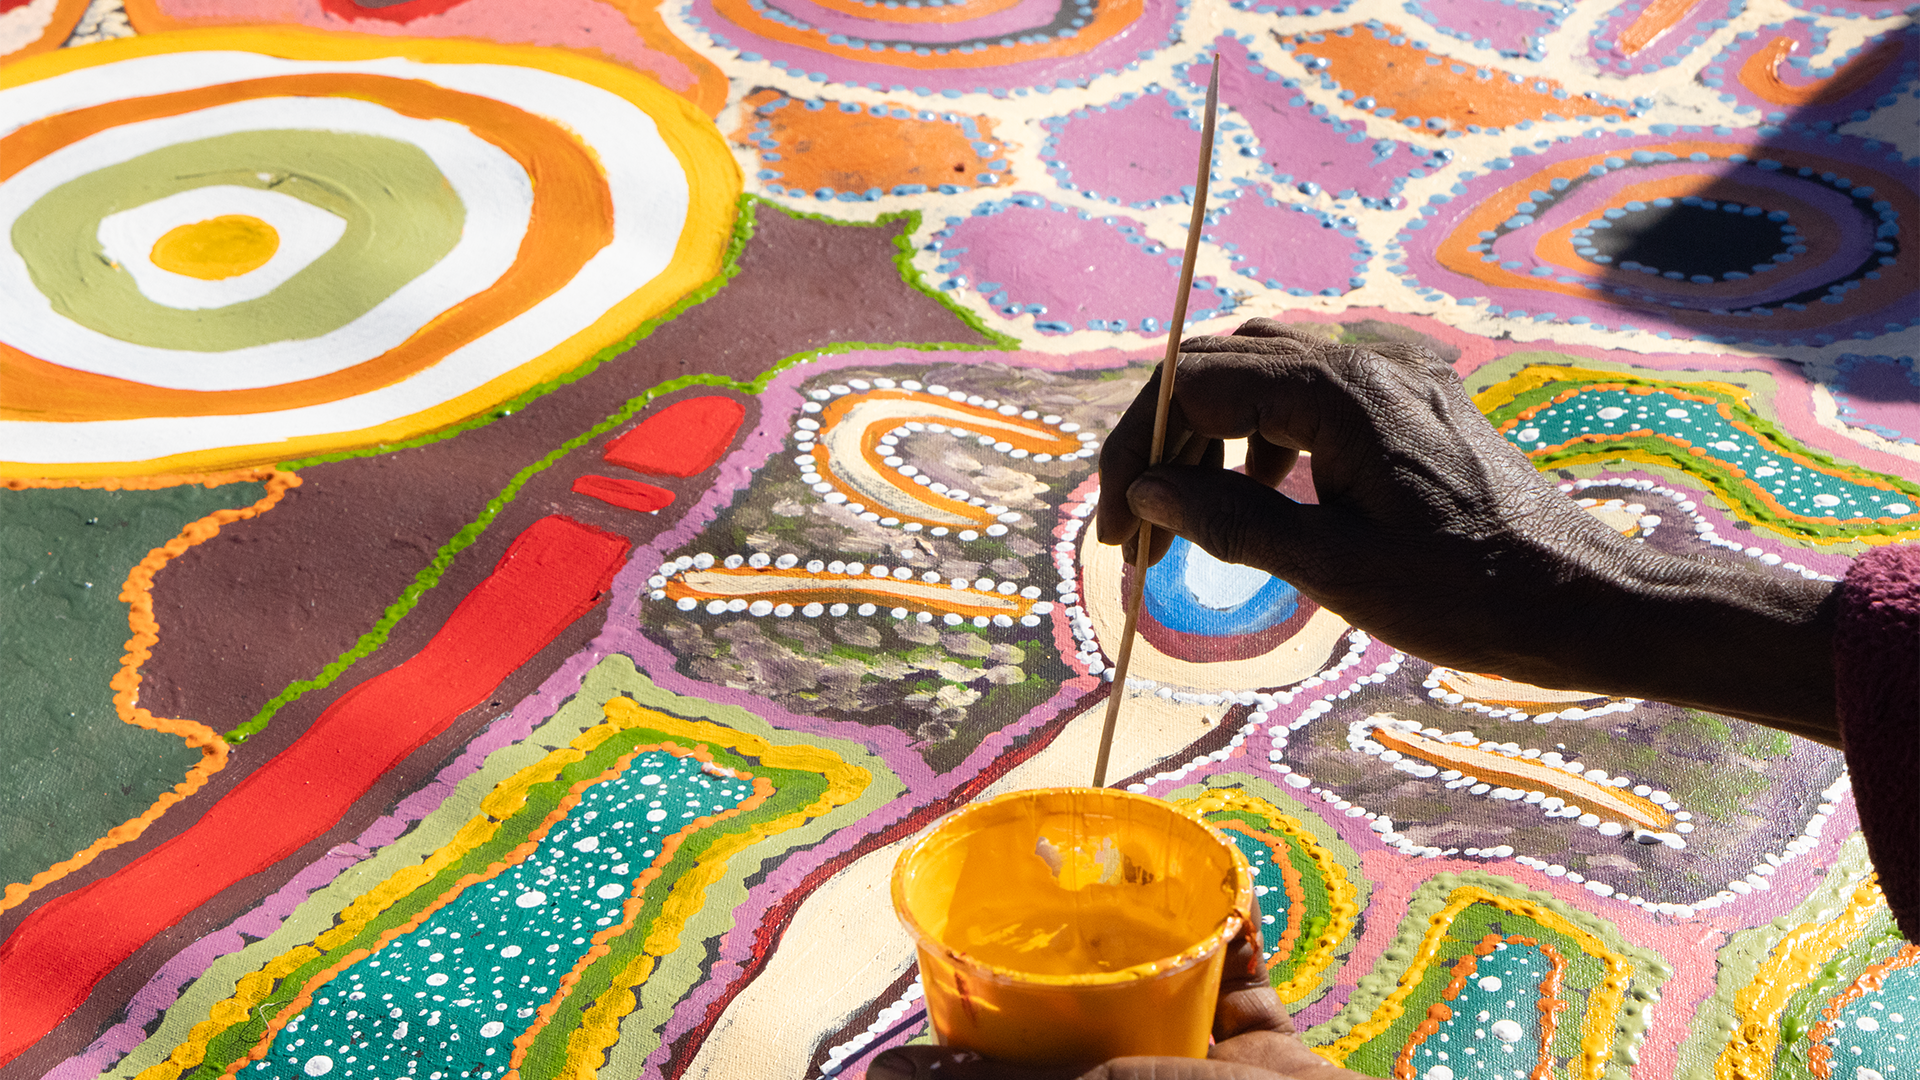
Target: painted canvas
515, 514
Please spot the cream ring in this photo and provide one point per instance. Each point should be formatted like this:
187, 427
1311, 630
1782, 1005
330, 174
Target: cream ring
306, 232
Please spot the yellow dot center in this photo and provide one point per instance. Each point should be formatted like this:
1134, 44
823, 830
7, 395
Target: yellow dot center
222, 247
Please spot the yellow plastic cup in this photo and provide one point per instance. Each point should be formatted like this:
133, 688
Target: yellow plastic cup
1067, 925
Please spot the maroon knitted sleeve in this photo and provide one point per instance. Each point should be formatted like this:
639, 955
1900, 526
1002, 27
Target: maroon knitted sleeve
1876, 662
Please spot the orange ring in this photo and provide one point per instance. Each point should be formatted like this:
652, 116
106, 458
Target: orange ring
1896, 281
572, 219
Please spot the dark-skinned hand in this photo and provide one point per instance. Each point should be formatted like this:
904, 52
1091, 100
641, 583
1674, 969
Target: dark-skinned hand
1253, 1040
1436, 535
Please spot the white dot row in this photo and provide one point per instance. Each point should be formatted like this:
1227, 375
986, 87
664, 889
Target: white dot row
1265, 702
1704, 530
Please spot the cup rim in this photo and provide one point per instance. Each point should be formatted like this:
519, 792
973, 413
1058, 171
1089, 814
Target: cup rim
1216, 940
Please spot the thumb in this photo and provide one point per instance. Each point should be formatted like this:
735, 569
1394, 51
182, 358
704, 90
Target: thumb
1235, 518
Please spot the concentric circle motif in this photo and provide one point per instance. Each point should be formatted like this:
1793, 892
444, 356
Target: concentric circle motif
291, 245
1784, 239
1206, 625
950, 46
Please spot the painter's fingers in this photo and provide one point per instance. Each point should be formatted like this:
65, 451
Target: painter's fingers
1237, 519
938, 1063
1268, 463
1277, 1055
1126, 454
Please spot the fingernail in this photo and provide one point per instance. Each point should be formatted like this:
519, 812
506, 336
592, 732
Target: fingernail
892, 1065
1155, 500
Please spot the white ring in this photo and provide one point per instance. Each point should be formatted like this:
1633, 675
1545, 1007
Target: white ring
305, 232
486, 179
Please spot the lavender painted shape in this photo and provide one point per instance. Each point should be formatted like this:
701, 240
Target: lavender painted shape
1880, 394
1068, 268
1290, 247
1118, 152
1304, 146
1514, 28
1667, 48
827, 31
1810, 62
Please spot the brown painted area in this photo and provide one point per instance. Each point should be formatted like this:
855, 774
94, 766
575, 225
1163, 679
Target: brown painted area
856, 151
275, 599
1399, 77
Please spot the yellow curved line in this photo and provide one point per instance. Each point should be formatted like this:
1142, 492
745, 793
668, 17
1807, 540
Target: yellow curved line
844, 783
799, 587
1603, 1001
713, 183
1510, 772
1786, 971
138, 594
1342, 908
600, 1025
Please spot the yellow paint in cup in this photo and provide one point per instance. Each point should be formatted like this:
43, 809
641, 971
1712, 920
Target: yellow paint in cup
1068, 925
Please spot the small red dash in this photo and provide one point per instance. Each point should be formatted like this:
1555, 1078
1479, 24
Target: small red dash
625, 494
682, 439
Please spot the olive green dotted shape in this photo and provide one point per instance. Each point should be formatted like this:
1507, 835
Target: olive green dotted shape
73, 769
402, 218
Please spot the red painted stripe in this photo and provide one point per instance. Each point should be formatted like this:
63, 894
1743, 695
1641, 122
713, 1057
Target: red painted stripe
555, 572
625, 494
684, 438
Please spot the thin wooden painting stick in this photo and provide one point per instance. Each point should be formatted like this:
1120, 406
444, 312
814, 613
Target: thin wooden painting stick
1157, 449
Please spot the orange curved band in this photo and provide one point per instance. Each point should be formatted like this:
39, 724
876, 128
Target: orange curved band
572, 219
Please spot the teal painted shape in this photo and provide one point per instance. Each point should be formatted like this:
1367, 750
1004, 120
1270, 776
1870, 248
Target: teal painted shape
1807, 492
448, 1000
1494, 1033
1881, 1031
1268, 886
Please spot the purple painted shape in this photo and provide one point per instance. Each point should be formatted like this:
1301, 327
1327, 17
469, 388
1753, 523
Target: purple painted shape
1154, 29
1515, 29
1285, 246
1077, 267
1852, 236
1880, 394
1663, 51
1820, 323
1302, 147
1018, 19
1809, 62
1119, 150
